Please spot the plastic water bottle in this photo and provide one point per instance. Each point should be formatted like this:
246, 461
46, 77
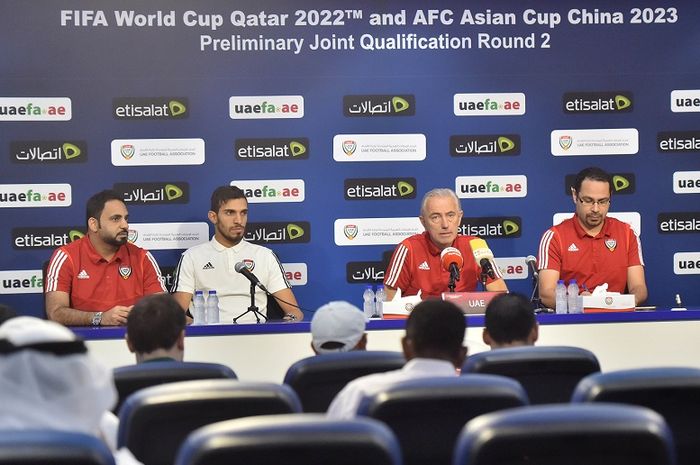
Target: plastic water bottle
198, 310
212, 308
380, 297
368, 305
560, 297
572, 297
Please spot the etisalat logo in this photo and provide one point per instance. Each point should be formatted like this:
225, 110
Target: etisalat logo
622, 183
491, 227
379, 105
278, 232
365, 272
150, 108
272, 149
501, 144
678, 222
597, 102
154, 192
380, 188
45, 238
35, 152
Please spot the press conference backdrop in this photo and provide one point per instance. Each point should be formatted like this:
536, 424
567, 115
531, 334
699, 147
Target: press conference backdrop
336, 117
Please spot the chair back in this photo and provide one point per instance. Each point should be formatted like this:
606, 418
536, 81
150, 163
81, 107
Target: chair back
318, 379
427, 414
155, 421
672, 392
41, 447
600, 434
298, 439
131, 378
549, 374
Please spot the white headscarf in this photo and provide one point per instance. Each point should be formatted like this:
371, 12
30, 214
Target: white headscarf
40, 389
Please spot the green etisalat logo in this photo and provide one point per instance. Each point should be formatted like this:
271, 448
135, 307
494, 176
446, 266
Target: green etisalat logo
622, 102
172, 192
294, 231
510, 227
176, 108
70, 150
399, 104
505, 144
297, 148
74, 235
404, 188
620, 183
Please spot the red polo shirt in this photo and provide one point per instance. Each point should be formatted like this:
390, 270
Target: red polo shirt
416, 265
591, 260
97, 285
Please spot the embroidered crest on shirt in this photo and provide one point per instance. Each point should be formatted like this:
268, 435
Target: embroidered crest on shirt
573, 248
208, 266
610, 244
125, 271
424, 266
250, 264
83, 275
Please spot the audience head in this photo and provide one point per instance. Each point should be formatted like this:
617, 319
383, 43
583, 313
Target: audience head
510, 321
435, 329
155, 328
338, 326
6, 312
48, 380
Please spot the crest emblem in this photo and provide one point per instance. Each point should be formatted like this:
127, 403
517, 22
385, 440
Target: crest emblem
608, 301
125, 271
350, 231
349, 147
127, 151
132, 235
250, 264
565, 142
610, 244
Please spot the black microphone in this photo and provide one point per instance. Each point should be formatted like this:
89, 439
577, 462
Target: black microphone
483, 256
241, 268
532, 264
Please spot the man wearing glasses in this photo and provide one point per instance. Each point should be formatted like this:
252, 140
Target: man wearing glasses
416, 263
590, 247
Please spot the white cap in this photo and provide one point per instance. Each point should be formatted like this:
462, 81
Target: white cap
337, 321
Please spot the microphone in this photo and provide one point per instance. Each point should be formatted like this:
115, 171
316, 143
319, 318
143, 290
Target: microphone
483, 256
241, 268
532, 264
451, 258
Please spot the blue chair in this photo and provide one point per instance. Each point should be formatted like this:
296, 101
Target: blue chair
155, 421
672, 392
300, 439
318, 379
131, 378
549, 374
426, 415
601, 434
42, 447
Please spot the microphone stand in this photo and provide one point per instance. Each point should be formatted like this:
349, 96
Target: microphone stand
535, 297
252, 308
483, 277
454, 277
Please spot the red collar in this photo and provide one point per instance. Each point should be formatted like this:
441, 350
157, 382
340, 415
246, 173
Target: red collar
581, 233
96, 258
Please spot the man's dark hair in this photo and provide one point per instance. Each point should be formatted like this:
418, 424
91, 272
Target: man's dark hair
509, 318
223, 194
436, 327
592, 173
6, 312
155, 322
96, 203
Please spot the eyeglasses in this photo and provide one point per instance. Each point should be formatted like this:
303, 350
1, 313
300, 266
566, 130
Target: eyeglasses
436, 218
589, 202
